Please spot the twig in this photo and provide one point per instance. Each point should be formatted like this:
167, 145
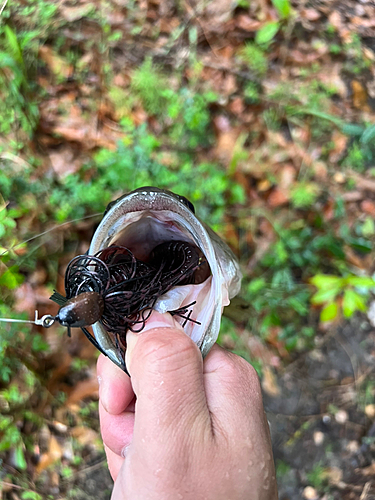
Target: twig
365, 491
3, 6
12, 485
243, 74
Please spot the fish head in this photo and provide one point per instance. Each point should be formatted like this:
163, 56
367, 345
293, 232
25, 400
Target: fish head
146, 217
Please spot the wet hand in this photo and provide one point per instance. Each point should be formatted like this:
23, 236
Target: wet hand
198, 428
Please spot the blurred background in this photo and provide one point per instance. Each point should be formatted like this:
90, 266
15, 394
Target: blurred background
261, 112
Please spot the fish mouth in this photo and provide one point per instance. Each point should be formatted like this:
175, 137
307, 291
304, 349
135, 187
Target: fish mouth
142, 220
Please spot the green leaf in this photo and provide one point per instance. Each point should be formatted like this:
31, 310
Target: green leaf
325, 295
368, 135
31, 495
361, 281
352, 302
267, 33
329, 312
283, 8
256, 285
10, 278
13, 45
19, 458
352, 129
368, 227
326, 281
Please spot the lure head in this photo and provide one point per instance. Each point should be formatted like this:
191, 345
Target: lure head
149, 216
82, 310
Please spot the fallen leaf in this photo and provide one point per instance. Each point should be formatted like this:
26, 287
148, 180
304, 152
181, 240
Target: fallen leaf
246, 23
237, 106
310, 14
55, 63
63, 162
85, 388
368, 207
368, 471
227, 137
71, 14
264, 185
352, 196
277, 198
53, 454
287, 176
340, 142
269, 382
336, 20
334, 475
259, 350
25, 299
359, 96
320, 170
84, 435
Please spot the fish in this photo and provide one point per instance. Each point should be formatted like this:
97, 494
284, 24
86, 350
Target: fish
147, 217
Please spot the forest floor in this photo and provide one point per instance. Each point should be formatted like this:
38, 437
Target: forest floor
262, 113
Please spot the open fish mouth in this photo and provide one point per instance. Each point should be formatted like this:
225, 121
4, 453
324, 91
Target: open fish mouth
148, 217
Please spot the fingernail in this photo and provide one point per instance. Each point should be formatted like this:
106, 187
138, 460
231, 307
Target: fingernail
125, 451
156, 320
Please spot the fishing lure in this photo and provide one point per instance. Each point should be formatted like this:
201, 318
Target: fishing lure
120, 291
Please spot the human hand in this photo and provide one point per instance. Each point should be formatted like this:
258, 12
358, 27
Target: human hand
197, 430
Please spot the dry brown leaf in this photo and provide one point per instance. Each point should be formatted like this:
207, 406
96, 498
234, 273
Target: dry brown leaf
310, 14
320, 170
25, 299
269, 382
167, 25
336, 20
237, 106
53, 454
63, 162
287, 176
353, 258
277, 198
227, 137
84, 435
340, 141
263, 185
259, 350
71, 14
246, 23
359, 96
352, 196
85, 388
365, 184
303, 58
331, 75
334, 475
56, 63
368, 206
218, 12
368, 471
362, 22
339, 177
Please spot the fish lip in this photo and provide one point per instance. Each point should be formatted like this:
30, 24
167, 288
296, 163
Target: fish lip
151, 199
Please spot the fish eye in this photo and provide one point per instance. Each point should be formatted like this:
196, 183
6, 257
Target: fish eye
187, 203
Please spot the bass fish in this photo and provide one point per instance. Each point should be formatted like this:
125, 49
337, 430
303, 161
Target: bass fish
149, 216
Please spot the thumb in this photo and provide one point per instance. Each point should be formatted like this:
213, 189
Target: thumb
166, 369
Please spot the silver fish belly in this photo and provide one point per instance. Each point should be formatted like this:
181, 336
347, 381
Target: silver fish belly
149, 216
